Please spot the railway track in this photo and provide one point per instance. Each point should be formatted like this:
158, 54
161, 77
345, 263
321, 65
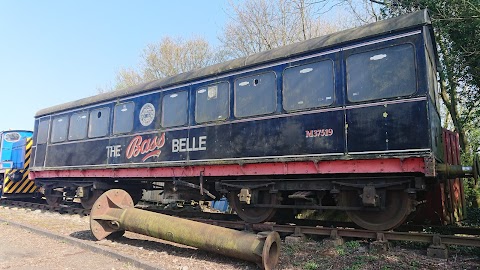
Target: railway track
460, 236
62, 209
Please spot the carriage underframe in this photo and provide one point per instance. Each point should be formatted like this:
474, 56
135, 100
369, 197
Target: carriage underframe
376, 194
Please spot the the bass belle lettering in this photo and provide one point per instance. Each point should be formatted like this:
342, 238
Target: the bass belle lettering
149, 147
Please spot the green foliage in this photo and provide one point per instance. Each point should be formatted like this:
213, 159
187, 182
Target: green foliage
472, 190
414, 265
311, 265
352, 245
291, 249
473, 217
340, 250
359, 262
411, 245
464, 250
348, 248
472, 194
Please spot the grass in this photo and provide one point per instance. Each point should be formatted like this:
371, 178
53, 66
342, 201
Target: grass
291, 249
311, 265
348, 248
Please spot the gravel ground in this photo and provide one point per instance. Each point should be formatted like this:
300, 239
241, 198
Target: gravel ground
307, 255
41, 252
165, 254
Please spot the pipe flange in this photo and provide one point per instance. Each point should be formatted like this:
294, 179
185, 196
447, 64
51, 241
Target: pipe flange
101, 220
271, 251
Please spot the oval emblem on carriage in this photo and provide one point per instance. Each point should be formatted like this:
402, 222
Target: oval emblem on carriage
12, 137
147, 114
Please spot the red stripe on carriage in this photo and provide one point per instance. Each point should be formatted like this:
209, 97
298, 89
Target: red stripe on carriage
388, 165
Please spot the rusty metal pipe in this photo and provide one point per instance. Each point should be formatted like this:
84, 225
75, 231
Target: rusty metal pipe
454, 171
114, 213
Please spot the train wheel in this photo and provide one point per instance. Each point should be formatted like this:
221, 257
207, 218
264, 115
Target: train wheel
87, 203
254, 215
54, 198
397, 209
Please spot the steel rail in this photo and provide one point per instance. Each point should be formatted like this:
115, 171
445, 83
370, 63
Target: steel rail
472, 241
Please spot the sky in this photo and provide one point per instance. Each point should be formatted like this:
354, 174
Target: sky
54, 51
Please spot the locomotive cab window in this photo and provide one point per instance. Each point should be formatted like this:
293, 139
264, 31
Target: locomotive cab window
123, 117
255, 95
308, 86
382, 73
59, 129
174, 112
78, 126
212, 103
42, 134
98, 122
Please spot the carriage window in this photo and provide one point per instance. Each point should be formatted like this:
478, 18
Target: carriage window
174, 112
42, 134
59, 129
123, 117
212, 103
98, 122
308, 86
255, 95
383, 73
78, 126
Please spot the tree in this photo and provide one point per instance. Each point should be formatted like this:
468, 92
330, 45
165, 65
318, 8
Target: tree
169, 57
260, 25
363, 11
255, 26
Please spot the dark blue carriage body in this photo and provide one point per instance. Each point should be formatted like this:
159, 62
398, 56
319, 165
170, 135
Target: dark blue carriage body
353, 120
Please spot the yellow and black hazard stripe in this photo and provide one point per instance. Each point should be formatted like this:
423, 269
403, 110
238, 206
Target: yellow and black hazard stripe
16, 181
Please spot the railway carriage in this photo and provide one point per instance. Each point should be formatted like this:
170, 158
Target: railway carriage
347, 121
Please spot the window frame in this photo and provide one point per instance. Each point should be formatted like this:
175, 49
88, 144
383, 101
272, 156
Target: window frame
275, 102
228, 102
432, 78
70, 125
115, 117
47, 131
187, 111
67, 127
89, 122
304, 64
415, 65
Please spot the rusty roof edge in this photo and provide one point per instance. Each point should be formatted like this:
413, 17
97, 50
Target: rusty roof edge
348, 35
